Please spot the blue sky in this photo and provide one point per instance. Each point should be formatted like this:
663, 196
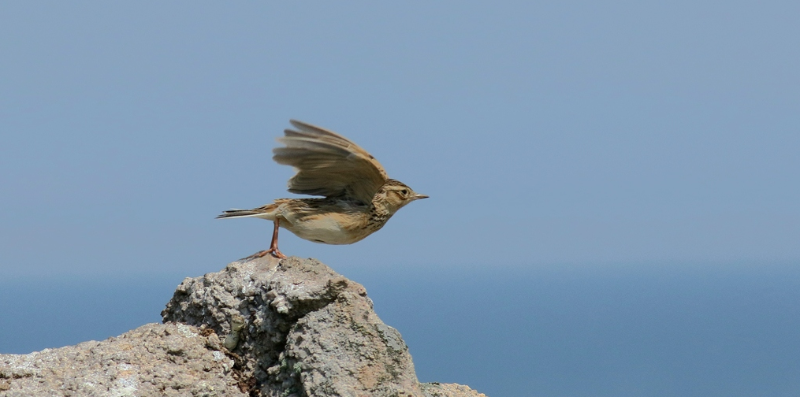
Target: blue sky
569, 133
543, 133
588, 135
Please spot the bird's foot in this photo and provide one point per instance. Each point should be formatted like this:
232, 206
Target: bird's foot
259, 254
274, 251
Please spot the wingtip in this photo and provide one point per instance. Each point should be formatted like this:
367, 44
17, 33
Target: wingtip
311, 128
300, 126
298, 123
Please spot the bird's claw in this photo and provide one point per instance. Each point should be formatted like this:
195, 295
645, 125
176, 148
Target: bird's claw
275, 252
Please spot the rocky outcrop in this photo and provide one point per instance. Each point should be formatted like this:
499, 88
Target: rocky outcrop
260, 327
152, 360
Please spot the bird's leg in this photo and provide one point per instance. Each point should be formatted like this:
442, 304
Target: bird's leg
273, 246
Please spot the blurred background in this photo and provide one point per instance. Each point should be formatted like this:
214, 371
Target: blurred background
613, 185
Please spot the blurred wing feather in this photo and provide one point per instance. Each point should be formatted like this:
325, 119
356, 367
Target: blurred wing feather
328, 164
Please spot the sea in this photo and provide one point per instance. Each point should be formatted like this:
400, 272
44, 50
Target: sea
554, 330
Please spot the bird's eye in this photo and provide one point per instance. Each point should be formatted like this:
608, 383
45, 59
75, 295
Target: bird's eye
404, 191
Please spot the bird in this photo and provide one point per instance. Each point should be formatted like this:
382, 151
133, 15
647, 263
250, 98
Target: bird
358, 195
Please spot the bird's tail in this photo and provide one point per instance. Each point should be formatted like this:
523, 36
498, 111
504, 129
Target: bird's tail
239, 213
263, 212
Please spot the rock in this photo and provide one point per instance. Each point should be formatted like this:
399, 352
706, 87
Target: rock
309, 330
152, 360
436, 389
260, 327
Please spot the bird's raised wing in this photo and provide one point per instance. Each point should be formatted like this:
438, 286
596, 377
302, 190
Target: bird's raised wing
328, 164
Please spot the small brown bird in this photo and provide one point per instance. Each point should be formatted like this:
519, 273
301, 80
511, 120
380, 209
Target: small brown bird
359, 196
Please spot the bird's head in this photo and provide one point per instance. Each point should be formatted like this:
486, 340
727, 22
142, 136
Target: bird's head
394, 195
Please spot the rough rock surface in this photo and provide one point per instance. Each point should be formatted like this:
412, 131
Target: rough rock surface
436, 389
260, 327
152, 360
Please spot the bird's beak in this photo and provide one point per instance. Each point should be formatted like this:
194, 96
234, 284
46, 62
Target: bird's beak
420, 196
